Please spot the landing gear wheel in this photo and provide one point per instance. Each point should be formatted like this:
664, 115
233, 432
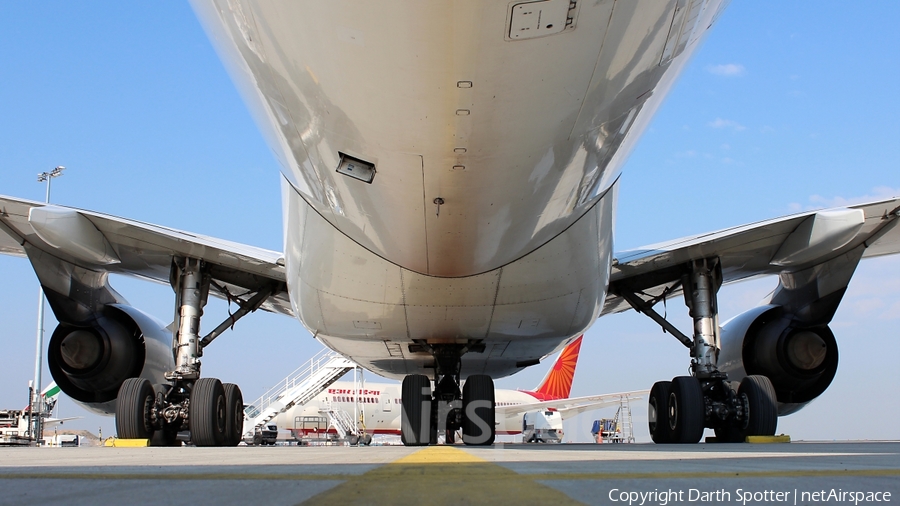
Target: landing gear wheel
657, 412
478, 410
415, 417
234, 414
366, 439
686, 410
207, 418
133, 406
353, 440
763, 405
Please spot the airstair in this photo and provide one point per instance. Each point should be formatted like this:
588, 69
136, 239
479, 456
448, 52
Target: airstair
340, 420
299, 387
350, 428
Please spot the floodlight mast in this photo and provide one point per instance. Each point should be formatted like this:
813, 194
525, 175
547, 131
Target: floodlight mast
37, 404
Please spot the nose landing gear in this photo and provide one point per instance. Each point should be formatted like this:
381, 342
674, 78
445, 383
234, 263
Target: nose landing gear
426, 414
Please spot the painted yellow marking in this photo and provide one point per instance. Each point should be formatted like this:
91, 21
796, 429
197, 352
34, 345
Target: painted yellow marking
126, 443
443, 475
438, 455
781, 438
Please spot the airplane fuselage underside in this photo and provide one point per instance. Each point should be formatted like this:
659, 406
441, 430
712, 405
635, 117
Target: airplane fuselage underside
359, 303
496, 131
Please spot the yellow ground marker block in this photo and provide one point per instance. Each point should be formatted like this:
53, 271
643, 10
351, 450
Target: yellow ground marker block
441, 475
126, 443
781, 438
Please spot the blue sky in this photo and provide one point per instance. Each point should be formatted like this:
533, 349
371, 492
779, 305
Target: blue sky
787, 106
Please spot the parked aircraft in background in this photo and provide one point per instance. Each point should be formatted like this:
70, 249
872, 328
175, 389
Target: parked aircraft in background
381, 402
448, 220
16, 425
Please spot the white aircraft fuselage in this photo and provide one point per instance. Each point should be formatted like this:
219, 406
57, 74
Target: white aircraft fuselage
381, 407
497, 131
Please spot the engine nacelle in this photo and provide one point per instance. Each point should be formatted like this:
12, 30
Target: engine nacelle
90, 363
800, 362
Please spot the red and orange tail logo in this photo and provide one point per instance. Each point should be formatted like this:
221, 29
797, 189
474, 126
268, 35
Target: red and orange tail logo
558, 382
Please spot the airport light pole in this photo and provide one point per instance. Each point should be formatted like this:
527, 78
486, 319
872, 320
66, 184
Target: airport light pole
37, 405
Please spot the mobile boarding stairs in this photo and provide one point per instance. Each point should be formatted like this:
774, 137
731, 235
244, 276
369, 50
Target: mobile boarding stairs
298, 388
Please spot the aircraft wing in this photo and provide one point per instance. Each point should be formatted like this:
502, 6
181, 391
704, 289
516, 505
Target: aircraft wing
757, 249
117, 245
570, 406
53, 422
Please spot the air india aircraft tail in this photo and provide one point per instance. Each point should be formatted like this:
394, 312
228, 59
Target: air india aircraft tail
557, 384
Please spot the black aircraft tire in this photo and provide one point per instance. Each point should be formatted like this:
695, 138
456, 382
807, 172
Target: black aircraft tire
763, 416
657, 412
415, 416
234, 414
133, 409
686, 410
478, 425
207, 413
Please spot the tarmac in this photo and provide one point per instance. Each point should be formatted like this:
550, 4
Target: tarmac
633, 474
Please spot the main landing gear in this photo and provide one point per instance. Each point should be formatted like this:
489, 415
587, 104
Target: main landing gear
426, 414
212, 411
680, 409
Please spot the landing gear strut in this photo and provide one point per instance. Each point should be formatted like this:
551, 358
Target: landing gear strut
213, 412
680, 409
426, 414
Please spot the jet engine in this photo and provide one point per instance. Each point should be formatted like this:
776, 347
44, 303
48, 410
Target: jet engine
90, 362
800, 361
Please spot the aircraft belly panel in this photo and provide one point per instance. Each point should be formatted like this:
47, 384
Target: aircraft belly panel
517, 138
371, 310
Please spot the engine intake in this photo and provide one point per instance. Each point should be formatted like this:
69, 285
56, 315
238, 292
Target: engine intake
90, 363
800, 362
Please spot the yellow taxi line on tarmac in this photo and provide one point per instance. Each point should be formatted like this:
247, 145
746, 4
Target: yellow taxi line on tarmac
443, 475
438, 455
